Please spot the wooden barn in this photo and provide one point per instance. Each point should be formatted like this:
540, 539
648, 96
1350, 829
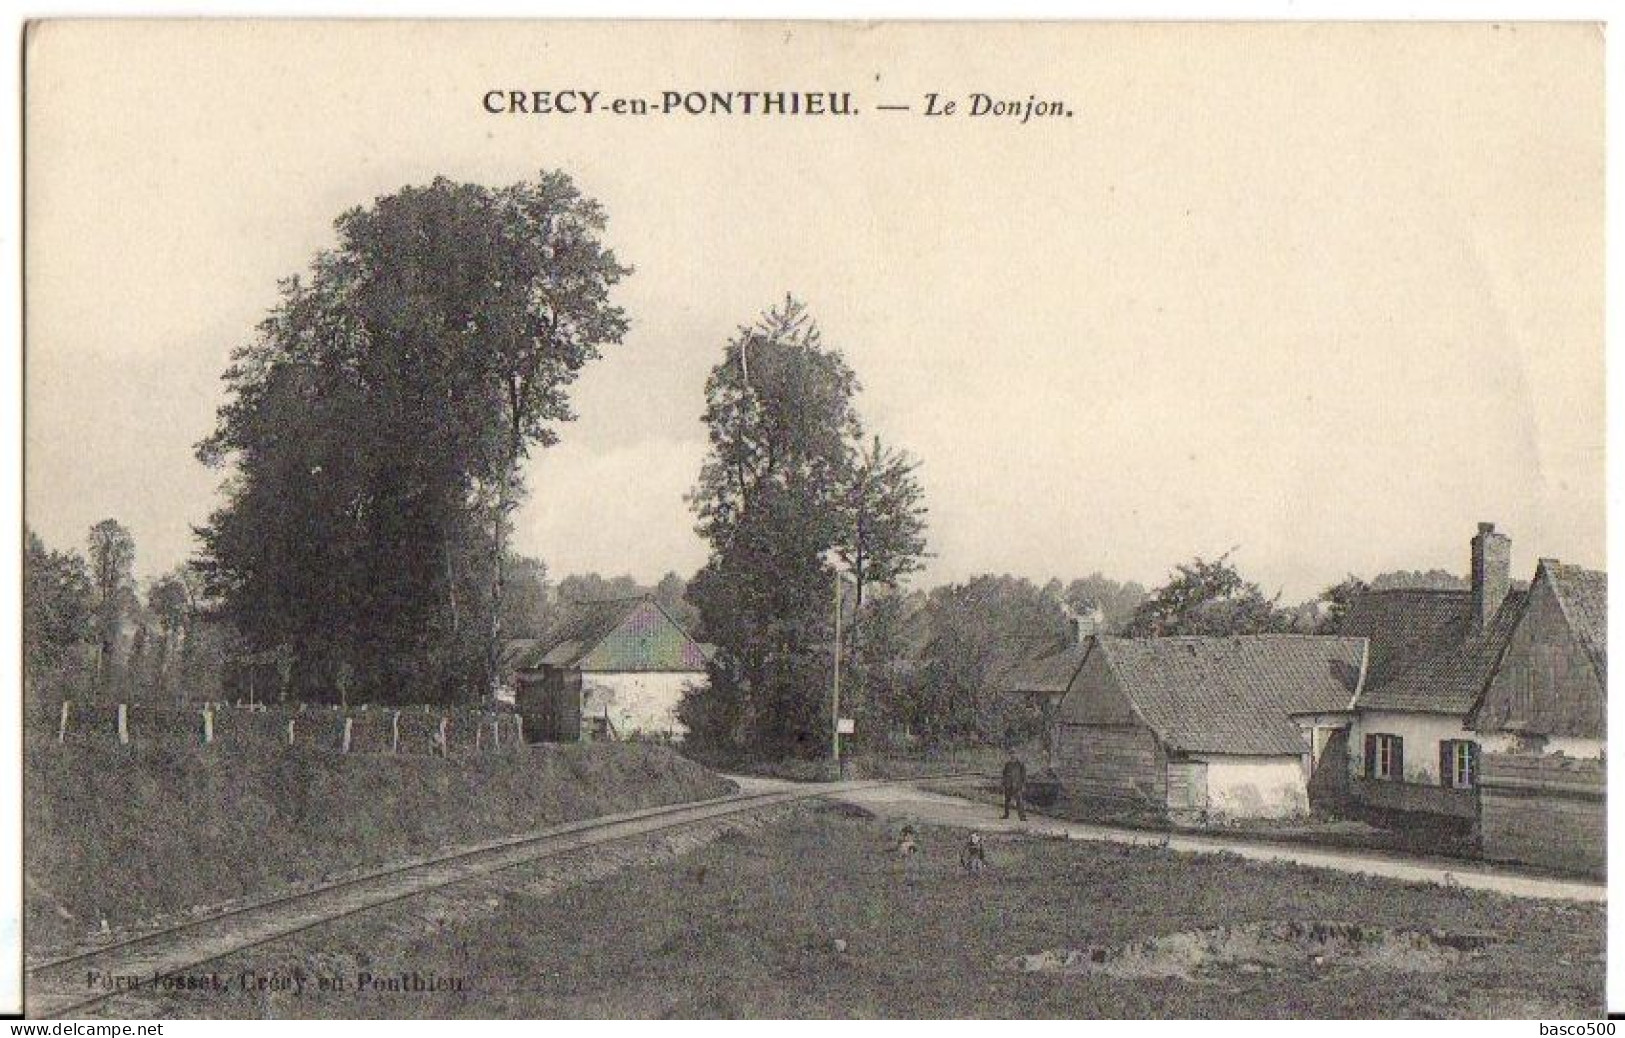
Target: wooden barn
1543, 723
612, 670
1199, 726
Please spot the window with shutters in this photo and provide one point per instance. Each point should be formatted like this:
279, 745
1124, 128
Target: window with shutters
1458, 763
1384, 756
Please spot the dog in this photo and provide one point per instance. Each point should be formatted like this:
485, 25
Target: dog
1014, 780
973, 856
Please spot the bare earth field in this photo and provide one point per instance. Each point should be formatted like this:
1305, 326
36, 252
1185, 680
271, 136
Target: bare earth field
816, 915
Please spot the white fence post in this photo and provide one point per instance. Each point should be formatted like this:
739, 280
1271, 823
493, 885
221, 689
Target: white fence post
290, 731
208, 725
519, 729
395, 733
346, 747
479, 732
62, 726
445, 747
124, 724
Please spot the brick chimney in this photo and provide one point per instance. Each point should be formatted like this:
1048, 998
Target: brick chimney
1492, 574
1085, 624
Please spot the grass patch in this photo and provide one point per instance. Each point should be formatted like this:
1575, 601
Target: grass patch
130, 833
819, 917
893, 765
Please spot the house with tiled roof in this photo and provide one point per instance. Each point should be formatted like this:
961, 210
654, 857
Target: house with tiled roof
1193, 725
1484, 709
1431, 654
611, 669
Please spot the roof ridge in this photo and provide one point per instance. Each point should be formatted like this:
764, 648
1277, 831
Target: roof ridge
612, 600
1416, 591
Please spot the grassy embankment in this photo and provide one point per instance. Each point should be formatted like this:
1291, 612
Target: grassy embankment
130, 833
748, 926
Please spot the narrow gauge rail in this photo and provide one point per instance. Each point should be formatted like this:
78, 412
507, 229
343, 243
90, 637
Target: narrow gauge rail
69, 984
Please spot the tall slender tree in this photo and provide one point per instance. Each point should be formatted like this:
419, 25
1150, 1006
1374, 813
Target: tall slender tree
780, 419
166, 601
788, 503
112, 563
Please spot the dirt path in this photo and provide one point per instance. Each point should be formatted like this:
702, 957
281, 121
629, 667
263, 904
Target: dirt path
906, 803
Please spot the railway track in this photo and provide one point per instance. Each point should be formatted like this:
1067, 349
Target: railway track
69, 984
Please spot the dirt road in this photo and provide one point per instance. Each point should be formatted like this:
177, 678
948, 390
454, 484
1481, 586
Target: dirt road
900, 803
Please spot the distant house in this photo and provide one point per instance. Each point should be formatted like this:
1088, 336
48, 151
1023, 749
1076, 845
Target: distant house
613, 669
1192, 725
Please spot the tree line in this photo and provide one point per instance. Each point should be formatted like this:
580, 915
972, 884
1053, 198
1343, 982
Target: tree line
372, 443
93, 632
90, 630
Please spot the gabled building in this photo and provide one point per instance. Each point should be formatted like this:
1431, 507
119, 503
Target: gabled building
613, 669
1543, 724
1196, 726
1549, 693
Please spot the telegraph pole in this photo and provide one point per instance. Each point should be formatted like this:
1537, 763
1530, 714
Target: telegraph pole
835, 690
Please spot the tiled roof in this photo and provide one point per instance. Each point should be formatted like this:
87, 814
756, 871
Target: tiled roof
1583, 594
1050, 674
1425, 655
1234, 694
618, 635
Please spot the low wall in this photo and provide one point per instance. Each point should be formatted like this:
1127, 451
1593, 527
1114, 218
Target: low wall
1545, 810
1414, 798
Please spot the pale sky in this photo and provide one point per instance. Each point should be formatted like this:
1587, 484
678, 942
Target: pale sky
1331, 294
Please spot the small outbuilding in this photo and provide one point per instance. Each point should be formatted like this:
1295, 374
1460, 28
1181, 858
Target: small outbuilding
614, 669
1196, 726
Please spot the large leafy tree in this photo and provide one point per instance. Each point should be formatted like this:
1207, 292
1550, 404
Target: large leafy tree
58, 606
975, 633
1209, 597
378, 424
1115, 600
525, 608
883, 508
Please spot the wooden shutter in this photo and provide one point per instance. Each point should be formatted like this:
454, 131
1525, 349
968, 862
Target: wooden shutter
1447, 763
1398, 758
1370, 755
